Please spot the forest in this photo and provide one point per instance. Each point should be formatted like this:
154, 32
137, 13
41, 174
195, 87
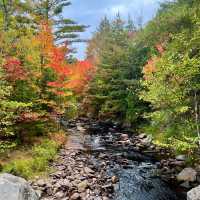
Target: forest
142, 77
147, 77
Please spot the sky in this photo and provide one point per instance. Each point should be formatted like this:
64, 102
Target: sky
90, 12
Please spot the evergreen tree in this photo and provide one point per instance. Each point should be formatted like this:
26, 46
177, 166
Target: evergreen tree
114, 91
65, 30
130, 25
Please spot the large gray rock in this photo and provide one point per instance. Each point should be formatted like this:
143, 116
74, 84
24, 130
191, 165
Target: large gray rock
187, 174
15, 188
194, 194
147, 140
181, 157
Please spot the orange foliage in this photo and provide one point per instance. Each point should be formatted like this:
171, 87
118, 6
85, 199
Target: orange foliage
69, 76
45, 39
150, 67
29, 117
160, 48
82, 72
59, 137
58, 62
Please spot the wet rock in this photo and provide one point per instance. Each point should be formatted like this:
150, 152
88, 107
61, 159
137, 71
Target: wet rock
81, 129
107, 186
177, 163
185, 184
198, 179
194, 194
41, 183
124, 137
187, 174
142, 136
88, 170
39, 193
75, 196
15, 188
114, 179
147, 140
59, 195
102, 155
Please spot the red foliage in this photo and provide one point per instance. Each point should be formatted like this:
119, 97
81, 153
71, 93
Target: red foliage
58, 63
69, 76
29, 117
55, 84
14, 70
74, 76
61, 68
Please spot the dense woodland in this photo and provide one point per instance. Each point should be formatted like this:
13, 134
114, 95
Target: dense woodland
148, 77
145, 77
39, 79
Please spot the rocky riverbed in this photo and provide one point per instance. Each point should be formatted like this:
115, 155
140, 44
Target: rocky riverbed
103, 161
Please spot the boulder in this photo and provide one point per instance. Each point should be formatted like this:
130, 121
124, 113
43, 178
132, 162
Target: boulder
15, 188
181, 157
187, 174
186, 185
194, 194
75, 196
124, 137
142, 136
80, 128
147, 140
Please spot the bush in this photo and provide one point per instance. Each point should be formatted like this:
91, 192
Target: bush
38, 163
59, 137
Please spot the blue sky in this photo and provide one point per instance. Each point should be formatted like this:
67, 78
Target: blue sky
90, 12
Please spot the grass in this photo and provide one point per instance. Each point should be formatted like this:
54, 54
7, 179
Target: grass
35, 162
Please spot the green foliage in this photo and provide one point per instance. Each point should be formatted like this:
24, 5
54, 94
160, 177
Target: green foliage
115, 88
37, 161
71, 110
66, 30
26, 100
173, 89
151, 74
9, 109
7, 145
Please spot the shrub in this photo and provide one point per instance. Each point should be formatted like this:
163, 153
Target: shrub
37, 163
59, 137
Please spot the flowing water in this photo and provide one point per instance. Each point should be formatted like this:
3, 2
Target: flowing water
137, 173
